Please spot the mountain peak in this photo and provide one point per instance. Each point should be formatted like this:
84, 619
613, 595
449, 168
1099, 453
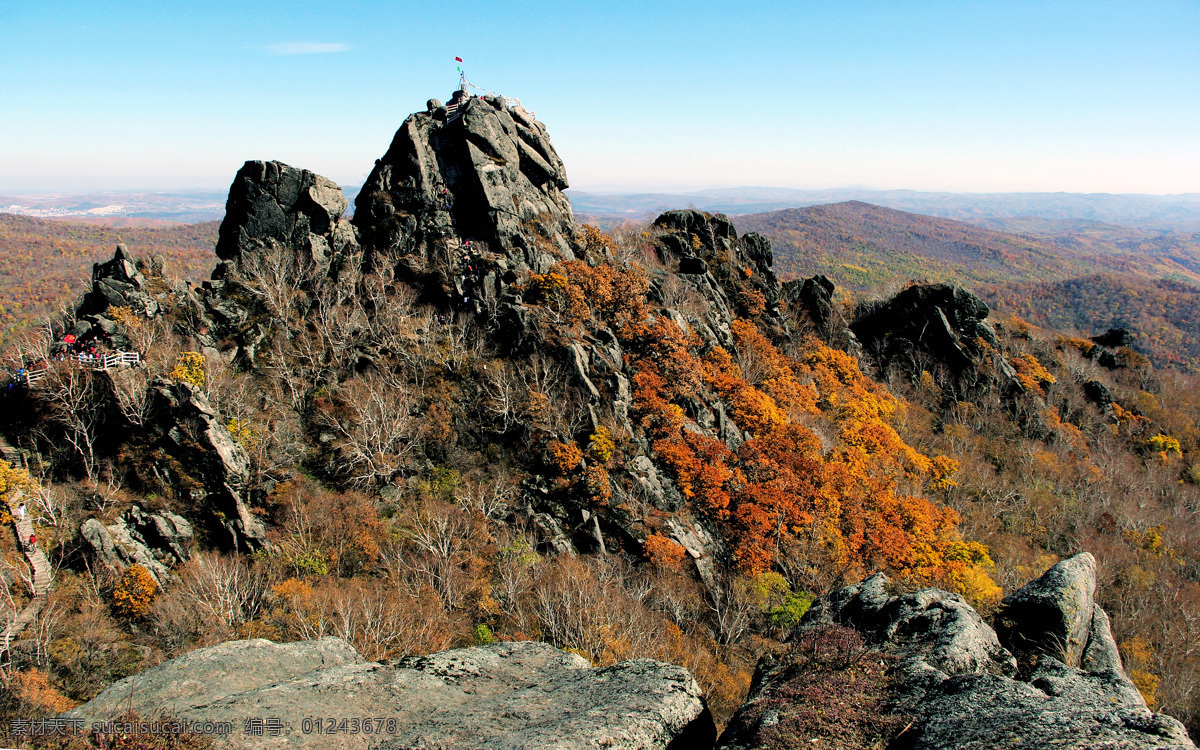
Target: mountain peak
479, 169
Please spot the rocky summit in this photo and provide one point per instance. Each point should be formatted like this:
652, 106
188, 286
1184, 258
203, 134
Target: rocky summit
479, 170
1049, 677
511, 695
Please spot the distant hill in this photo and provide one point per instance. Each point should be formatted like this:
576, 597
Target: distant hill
1179, 213
1142, 252
1164, 315
859, 245
1045, 272
45, 263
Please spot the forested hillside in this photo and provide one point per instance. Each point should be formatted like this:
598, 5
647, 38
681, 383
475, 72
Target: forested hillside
1164, 316
859, 245
1041, 270
45, 263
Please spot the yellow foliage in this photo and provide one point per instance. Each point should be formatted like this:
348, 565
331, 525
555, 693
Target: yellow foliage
1150, 540
941, 473
123, 315
1031, 373
189, 368
601, 444
1164, 446
1147, 685
246, 435
1137, 651
135, 592
13, 479
976, 586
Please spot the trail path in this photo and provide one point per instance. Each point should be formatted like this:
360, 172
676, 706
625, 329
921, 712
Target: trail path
43, 574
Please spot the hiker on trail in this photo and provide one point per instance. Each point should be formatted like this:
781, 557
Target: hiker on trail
33, 540
21, 511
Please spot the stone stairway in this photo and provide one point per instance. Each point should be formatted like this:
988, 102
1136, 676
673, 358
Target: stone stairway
43, 575
9, 453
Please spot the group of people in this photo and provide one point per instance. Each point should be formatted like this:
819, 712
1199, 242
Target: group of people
72, 347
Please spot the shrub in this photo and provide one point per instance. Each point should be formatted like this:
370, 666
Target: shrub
833, 688
134, 593
189, 368
664, 552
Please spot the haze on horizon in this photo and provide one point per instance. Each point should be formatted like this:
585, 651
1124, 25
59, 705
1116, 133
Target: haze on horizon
667, 97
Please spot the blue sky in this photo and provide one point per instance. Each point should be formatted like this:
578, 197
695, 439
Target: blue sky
964, 96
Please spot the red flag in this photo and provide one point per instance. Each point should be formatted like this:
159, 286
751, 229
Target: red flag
458, 59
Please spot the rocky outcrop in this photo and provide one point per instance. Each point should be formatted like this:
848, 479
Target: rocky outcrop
156, 541
510, 695
274, 206
1053, 615
814, 298
208, 463
119, 283
115, 283
957, 682
935, 326
475, 176
733, 273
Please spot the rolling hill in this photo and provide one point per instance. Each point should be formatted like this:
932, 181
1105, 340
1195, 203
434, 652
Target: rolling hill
1064, 274
859, 245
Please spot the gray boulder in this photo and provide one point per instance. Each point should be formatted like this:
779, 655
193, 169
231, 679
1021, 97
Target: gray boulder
157, 541
1052, 616
510, 695
959, 687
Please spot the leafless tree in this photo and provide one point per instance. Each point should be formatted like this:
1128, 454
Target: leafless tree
225, 590
74, 401
275, 274
732, 607
375, 430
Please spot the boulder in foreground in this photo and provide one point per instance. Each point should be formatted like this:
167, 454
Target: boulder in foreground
508, 695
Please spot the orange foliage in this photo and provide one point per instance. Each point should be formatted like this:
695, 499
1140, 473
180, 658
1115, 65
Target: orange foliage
564, 457
664, 552
782, 482
37, 697
134, 593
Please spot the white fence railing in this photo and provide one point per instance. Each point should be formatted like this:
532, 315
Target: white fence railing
95, 361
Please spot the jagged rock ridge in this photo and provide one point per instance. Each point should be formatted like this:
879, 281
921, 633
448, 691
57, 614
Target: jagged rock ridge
488, 174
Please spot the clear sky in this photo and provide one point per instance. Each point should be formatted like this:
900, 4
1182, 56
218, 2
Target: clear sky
968, 95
